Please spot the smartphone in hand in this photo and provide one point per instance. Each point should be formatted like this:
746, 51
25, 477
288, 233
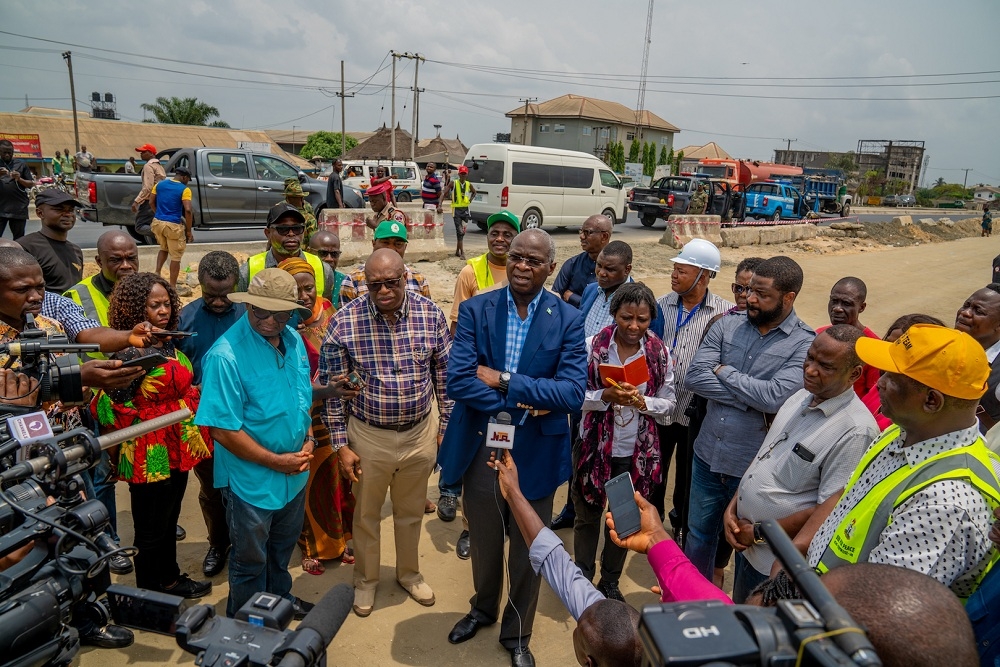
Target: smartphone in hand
621, 503
146, 363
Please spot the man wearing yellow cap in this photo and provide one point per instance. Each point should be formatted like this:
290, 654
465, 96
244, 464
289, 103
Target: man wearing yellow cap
923, 493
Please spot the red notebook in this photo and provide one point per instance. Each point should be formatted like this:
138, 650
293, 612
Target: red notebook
635, 372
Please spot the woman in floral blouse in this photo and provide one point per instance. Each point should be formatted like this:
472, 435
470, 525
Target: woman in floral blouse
155, 465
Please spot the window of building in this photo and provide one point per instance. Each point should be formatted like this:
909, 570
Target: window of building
559, 127
585, 130
664, 140
629, 136
543, 127
604, 133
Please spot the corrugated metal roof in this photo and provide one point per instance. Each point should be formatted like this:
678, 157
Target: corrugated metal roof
577, 106
117, 139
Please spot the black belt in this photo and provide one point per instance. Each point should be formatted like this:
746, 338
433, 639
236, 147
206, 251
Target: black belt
398, 428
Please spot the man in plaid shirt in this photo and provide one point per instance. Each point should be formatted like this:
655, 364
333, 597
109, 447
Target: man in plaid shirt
396, 344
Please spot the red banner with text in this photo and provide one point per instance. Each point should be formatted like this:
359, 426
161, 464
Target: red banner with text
25, 145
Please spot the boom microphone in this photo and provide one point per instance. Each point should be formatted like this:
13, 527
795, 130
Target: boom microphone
309, 641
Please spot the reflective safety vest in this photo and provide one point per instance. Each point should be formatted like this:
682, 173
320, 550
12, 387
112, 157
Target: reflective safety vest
460, 195
859, 531
95, 305
481, 265
256, 264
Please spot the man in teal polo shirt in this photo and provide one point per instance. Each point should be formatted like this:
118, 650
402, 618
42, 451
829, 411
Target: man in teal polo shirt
256, 395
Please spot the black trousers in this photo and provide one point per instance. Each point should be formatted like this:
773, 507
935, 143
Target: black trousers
490, 521
590, 521
156, 507
213, 508
674, 437
17, 226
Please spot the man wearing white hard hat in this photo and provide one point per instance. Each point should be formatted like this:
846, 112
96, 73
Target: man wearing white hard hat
686, 311
747, 367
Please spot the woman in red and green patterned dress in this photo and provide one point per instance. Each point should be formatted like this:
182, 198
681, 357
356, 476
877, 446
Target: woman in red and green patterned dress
155, 465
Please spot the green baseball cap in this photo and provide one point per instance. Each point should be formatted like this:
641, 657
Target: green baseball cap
390, 229
504, 216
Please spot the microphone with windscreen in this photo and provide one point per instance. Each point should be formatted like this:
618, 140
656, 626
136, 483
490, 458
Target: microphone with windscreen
307, 644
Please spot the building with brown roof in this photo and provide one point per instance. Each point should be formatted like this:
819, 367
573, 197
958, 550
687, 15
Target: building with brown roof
586, 124
692, 154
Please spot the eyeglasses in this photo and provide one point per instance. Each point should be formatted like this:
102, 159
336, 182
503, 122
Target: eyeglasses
740, 289
590, 232
292, 230
376, 286
280, 316
529, 261
328, 253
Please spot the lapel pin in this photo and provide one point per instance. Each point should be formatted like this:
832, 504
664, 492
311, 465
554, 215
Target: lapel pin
548, 310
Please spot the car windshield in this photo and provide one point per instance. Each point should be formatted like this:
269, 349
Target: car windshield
713, 172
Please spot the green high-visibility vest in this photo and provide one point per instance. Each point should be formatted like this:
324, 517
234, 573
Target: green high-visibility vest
256, 264
859, 531
460, 194
95, 305
481, 265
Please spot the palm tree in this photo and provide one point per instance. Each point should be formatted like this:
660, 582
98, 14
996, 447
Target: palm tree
186, 111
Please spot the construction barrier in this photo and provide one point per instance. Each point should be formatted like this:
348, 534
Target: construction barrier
424, 232
684, 228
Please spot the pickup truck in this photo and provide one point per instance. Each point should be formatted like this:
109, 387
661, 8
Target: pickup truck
230, 187
664, 197
774, 201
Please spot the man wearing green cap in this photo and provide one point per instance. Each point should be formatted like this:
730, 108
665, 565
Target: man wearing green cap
296, 196
923, 493
388, 234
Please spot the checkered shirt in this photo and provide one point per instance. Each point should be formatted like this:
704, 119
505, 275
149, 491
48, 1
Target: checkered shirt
517, 331
354, 284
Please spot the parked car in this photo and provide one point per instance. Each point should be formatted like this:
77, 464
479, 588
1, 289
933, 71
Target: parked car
906, 200
542, 185
230, 187
958, 203
665, 197
890, 200
406, 176
775, 201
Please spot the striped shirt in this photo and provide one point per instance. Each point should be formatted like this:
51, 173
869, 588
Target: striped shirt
517, 330
808, 455
402, 364
941, 531
354, 284
430, 190
69, 314
683, 342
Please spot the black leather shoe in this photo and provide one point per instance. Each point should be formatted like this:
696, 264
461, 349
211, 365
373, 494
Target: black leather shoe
215, 561
188, 588
301, 608
110, 636
564, 519
465, 629
521, 657
610, 590
120, 564
463, 548
447, 507
181, 533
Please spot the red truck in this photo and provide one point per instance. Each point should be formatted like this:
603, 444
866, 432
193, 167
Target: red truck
741, 173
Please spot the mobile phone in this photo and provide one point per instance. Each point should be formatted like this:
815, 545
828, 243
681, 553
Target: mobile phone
147, 363
355, 381
174, 334
621, 503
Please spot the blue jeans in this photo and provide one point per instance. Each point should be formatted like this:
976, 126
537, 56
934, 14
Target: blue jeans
449, 489
747, 579
263, 541
710, 494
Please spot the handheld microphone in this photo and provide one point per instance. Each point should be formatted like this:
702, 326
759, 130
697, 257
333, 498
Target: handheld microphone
308, 643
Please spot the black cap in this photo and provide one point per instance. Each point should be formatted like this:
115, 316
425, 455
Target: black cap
282, 209
182, 170
55, 197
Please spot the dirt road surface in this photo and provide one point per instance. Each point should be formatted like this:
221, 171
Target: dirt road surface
932, 278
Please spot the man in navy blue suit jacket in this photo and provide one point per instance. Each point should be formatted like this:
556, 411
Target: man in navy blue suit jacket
519, 349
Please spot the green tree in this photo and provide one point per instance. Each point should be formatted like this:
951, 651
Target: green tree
670, 160
939, 182
663, 156
677, 162
845, 162
182, 111
616, 156
633, 151
325, 144
650, 162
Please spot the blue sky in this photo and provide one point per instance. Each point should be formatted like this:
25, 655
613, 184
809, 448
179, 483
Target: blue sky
546, 49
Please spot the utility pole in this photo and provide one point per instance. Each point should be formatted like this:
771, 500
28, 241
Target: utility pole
392, 150
416, 106
68, 57
343, 121
524, 131
965, 181
788, 145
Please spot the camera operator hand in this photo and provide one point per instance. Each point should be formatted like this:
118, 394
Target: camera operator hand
18, 388
108, 374
651, 531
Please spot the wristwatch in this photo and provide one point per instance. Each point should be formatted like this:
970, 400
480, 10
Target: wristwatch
504, 381
312, 439
758, 535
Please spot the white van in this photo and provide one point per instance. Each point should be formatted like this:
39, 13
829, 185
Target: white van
406, 176
542, 186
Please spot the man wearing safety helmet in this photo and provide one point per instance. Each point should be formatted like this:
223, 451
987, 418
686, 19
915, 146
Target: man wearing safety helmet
747, 367
462, 192
684, 314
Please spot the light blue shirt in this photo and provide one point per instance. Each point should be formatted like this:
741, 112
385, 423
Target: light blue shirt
517, 330
548, 557
248, 385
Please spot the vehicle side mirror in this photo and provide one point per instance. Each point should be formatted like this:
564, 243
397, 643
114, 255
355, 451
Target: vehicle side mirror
302, 177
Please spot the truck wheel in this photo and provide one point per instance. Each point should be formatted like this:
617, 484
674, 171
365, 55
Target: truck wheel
845, 210
610, 215
403, 198
648, 220
532, 219
776, 216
